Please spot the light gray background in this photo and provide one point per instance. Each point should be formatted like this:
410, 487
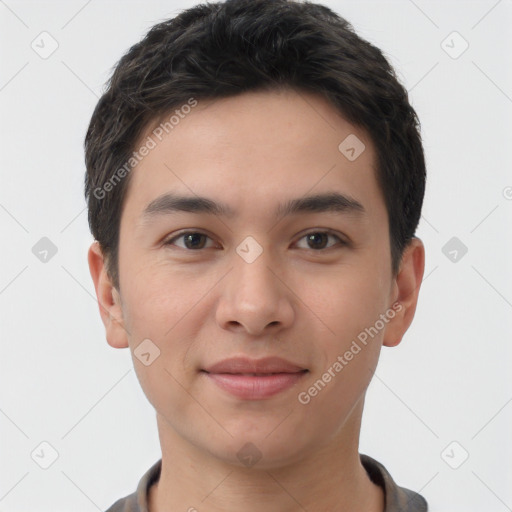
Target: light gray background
448, 381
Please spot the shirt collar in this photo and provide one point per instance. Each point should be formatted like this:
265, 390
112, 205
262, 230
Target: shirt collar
396, 498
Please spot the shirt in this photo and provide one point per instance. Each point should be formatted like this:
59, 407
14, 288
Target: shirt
397, 499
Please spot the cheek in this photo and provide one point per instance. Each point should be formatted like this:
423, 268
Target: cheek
165, 388
348, 302
158, 300
348, 352
335, 391
164, 307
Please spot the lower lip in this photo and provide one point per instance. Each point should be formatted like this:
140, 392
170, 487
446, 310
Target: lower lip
249, 387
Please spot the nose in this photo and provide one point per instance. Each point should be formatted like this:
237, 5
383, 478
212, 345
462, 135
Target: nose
253, 299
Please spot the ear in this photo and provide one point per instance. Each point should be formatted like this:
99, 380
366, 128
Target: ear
109, 300
406, 287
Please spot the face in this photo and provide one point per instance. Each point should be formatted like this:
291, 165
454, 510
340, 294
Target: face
255, 257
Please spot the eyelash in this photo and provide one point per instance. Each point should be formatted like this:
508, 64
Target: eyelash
341, 242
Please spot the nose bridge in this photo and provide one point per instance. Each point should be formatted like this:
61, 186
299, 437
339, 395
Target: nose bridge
256, 283
252, 296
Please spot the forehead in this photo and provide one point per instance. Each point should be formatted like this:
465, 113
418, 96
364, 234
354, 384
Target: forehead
254, 148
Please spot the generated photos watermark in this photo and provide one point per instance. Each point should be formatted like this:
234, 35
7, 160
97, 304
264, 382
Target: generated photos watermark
149, 144
304, 397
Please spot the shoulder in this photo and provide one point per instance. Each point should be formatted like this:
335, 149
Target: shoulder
397, 498
138, 501
126, 504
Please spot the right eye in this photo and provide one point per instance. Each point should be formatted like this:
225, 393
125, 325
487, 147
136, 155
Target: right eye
192, 240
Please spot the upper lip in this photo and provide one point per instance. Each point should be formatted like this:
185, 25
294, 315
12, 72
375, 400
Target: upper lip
246, 365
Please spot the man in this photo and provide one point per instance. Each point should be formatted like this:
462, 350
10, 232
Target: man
255, 177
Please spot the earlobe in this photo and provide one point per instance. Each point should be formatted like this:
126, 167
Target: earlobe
109, 301
406, 288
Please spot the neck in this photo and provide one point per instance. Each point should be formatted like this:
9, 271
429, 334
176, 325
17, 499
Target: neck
330, 478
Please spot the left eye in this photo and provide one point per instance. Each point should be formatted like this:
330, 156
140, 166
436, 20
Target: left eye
319, 239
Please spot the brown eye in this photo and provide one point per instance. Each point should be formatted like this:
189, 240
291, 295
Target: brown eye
318, 240
192, 240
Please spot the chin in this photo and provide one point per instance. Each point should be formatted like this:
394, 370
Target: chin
259, 451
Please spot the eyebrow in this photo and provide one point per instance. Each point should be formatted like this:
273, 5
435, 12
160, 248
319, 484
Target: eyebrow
328, 202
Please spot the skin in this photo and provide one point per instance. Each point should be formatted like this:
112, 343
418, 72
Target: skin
303, 304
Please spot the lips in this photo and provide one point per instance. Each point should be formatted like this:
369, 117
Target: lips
256, 366
254, 379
